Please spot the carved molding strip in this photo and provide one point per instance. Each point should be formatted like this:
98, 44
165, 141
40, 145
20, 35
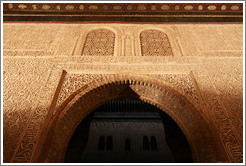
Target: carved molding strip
51, 111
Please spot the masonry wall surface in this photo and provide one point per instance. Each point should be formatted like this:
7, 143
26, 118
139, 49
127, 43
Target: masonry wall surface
206, 67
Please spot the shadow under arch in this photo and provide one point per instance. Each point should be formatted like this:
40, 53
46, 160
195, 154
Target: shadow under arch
201, 139
141, 133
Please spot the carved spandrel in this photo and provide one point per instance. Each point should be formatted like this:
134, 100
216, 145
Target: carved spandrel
73, 82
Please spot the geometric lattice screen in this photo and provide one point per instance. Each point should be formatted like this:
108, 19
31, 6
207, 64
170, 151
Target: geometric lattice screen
99, 42
155, 43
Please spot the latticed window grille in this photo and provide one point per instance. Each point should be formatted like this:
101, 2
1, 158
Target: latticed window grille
99, 42
155, 43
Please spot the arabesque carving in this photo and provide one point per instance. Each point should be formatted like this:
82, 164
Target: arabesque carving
207, 74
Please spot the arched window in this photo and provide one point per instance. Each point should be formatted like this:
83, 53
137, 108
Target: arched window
146, 143
127, 145
101, 143
155, 43
99, 42
109, 143
153, 143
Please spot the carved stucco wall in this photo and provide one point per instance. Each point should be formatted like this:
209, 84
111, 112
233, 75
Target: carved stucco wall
206, 67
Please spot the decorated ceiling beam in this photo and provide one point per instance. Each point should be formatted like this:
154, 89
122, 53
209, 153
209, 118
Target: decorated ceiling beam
123, 12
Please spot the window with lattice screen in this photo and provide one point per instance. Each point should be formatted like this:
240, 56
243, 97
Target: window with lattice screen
155, 43
99, 42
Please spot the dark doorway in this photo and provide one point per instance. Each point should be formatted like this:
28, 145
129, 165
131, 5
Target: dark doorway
128, 131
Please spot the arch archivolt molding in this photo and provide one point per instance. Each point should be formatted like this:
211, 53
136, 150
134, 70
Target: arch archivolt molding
153, 91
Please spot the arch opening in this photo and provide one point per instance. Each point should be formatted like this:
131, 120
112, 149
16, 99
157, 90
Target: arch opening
204, 146
128, 130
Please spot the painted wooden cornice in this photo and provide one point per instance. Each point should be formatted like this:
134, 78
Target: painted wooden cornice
123, 12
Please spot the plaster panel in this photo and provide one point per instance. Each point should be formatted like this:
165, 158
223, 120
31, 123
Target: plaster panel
26, 100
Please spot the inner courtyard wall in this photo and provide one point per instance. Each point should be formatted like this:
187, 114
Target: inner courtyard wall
206, 66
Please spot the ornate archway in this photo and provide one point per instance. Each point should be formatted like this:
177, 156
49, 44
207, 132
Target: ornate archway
197, 131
